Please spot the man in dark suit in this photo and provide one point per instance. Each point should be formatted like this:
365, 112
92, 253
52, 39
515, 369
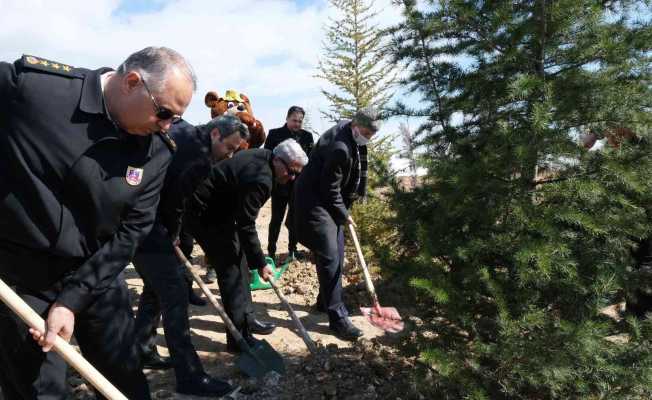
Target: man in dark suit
165, 292
335, 176
222, 217
282, 193
83, 155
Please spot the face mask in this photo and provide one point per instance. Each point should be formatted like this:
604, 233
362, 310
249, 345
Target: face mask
359, 139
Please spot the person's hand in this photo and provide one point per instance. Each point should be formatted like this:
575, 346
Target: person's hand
265, 273
176, 242
350, 222
60, 321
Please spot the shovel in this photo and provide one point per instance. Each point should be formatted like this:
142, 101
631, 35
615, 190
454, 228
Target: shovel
302, 331
63, 348
254, 361
385, 318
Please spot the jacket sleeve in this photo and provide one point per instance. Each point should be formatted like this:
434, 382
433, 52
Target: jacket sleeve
98, 272
173, 200
206, 191
8, 87
271, 140
330, 184
309, 142
251, 199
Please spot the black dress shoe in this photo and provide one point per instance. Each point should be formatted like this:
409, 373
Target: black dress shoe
153, 360
319, 307
210, 276
259, 327
206, 386
233, 347
345, 330
195, 300
296, 255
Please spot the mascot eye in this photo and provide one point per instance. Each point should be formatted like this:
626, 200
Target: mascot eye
241, 107
230, 104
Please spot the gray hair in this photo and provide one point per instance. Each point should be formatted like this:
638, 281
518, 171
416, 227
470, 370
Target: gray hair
154, 64
228, 125
368, 117
290, 151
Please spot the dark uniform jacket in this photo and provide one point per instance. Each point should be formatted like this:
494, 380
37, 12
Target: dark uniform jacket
276, 136
232, 196
190, 166
326, 187
77, 194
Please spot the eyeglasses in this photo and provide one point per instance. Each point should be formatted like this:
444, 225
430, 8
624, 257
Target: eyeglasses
162, 113
291, 173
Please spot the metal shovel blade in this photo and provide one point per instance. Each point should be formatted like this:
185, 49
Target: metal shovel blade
385, 318
256, 361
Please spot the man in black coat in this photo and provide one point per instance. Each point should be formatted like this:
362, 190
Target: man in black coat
165, 292
83, 155
282, 193
332, 180
222, 218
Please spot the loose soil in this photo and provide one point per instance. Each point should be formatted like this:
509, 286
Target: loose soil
372, 368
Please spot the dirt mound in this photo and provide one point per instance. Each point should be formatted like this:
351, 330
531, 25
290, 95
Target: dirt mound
372, 368
367, 370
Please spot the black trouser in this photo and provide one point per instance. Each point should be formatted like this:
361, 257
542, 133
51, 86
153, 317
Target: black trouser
222, 248
326, 242
104, 332
186, 244
281, 200
165, 294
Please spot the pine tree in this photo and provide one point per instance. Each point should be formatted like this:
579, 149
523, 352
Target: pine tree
354, 61
409, 153
519, 235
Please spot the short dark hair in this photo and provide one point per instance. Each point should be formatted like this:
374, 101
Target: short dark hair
227, 125
295, 109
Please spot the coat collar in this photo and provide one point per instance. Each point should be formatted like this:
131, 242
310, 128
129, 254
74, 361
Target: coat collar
92, 100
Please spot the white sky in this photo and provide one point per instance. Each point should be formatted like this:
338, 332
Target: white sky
267, 49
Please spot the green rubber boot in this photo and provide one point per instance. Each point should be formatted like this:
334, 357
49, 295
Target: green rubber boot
255, 283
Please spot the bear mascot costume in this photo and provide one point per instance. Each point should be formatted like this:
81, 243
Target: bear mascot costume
239, 105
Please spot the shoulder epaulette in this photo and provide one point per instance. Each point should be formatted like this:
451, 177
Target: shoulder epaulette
53, 67
169, 141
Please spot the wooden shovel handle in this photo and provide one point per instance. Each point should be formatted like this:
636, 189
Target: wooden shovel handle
363, 265
302, 331
63, 348
211, 297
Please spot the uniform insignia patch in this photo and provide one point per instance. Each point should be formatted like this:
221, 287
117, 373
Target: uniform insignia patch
134, 176
47, 65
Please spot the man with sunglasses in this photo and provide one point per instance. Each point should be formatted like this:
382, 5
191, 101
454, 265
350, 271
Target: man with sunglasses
83, 155
221, 215
335, 177
282, 193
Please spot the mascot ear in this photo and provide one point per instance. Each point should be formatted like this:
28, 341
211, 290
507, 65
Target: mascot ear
247, 103
210, 99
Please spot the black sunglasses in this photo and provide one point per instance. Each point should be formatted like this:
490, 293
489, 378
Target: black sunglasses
291, 173
162, 113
